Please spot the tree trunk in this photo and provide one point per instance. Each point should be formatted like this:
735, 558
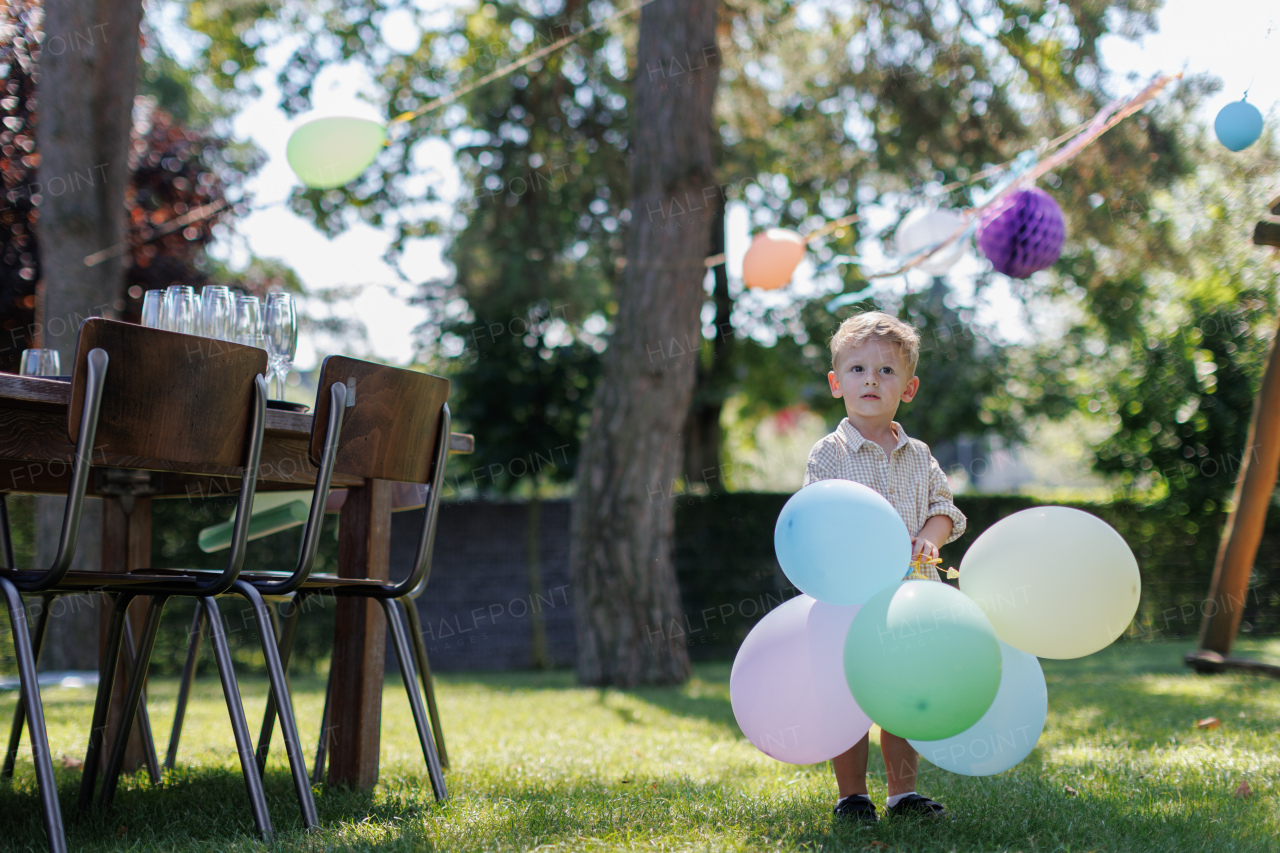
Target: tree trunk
625, 592
88, 72
702, 430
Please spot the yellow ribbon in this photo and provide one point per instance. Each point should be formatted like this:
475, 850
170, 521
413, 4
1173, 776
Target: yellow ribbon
920, 565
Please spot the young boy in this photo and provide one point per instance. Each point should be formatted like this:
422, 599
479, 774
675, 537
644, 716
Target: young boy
873, 360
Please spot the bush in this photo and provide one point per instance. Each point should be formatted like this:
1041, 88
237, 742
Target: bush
729, 576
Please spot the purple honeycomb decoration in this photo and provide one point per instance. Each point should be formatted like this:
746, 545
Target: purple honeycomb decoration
1023, 233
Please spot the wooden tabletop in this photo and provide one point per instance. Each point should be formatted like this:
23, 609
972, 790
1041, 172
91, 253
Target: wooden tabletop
35, 453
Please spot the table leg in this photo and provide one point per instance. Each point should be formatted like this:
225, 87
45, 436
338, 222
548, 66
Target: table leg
360, 636
126, 545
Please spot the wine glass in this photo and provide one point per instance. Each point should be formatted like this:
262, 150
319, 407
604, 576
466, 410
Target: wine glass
217, 308
280, 327
248, 322
181, 312
153, 309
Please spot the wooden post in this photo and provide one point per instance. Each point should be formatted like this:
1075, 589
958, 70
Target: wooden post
1251, 498
126, 545
360, 634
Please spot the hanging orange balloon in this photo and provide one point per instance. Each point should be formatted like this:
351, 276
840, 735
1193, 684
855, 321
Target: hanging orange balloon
772, 258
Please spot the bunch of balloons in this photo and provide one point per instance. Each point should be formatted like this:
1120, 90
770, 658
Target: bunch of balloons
953, 671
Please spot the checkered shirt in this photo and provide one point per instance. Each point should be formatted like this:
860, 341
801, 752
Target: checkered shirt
909, 478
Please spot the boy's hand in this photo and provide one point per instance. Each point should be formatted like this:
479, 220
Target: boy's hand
921, 545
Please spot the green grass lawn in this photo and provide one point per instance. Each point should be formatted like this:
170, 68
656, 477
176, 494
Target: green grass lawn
539, 763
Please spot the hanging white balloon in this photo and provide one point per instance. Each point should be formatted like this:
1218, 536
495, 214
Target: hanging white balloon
924, 228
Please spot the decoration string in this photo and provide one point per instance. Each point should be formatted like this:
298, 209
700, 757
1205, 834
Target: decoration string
1107, 118
208, 210
510, 68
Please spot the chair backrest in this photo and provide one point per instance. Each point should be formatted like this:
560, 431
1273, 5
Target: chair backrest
391, 423
167, 396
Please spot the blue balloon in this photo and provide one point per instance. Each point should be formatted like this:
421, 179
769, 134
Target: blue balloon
841, 542
1007, 733
1238, 125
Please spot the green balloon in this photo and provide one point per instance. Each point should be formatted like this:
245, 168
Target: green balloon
922, 660
330, 152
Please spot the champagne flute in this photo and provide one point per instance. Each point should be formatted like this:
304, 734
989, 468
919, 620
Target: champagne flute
280, 327
180, 310
217, 312
248, 322
153, 309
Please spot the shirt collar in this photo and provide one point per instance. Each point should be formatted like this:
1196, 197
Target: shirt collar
856, 439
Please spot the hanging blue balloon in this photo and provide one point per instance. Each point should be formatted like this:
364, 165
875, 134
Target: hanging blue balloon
1238, 125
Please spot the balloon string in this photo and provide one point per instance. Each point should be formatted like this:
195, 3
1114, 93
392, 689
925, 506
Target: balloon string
1271, 25
445, 100
921, 564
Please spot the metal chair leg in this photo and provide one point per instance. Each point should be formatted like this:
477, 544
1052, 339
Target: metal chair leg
239, 725
184, 687
424, 673
144, 717
102, 703
284, 705
49, 806
20, 712
404, 656
322, 748
286, 635
132, 699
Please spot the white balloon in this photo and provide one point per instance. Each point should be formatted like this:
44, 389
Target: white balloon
924, 228
774, 689
1055, 582
1008, 732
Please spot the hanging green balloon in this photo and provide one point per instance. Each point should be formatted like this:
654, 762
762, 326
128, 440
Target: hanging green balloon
330, 152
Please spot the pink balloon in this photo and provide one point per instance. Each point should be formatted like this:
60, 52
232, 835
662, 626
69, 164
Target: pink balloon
772, 258
828, 627
787, 684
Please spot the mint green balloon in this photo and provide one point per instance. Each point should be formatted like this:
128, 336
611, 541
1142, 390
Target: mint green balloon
922, 660
330, 152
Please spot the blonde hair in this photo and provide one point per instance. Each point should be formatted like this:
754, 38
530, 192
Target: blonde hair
860, 328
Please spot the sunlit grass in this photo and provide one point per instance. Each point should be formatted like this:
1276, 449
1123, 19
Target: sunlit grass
539, 762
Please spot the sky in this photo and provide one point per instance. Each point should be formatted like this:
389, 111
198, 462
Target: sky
1231, 43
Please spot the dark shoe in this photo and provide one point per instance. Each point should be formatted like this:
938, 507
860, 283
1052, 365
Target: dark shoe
914, 804
857, 809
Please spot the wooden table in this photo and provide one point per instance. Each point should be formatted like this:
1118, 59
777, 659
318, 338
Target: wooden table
36, 456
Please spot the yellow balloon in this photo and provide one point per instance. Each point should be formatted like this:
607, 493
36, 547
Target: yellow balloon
772, 258
329, 152
1055, 582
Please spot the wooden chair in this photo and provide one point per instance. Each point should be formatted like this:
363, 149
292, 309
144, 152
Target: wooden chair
379, 423
182, 403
